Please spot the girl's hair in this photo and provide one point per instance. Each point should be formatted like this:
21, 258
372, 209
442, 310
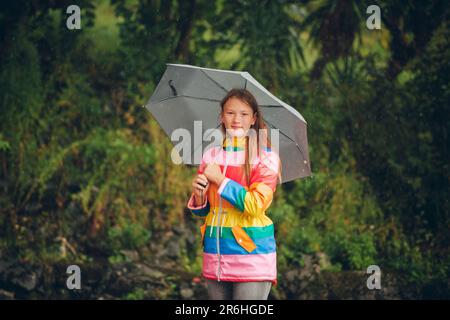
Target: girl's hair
247, 97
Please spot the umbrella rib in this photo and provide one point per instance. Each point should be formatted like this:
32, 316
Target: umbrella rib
185, 96
218, 84
298, 147
294, 111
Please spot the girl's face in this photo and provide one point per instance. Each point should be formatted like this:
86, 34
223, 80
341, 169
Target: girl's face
237, 116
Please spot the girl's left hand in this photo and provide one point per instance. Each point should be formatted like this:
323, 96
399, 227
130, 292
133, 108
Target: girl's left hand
214, 174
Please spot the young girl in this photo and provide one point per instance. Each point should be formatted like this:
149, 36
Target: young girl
233, 189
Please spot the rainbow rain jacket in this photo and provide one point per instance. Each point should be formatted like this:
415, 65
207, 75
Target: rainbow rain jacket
238, 241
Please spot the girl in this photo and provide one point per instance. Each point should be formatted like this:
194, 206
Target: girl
233, 189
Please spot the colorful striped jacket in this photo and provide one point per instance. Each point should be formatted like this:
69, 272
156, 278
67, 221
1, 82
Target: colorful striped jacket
238, 241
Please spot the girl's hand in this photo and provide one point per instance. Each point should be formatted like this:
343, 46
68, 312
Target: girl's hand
214, 174
199, 187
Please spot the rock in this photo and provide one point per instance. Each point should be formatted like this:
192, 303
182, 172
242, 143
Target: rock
179, 230
106, 297
291, 275
191, 240
147, 271
173, 249
6, 295
131, 255
27, 281
323, 260
186, 293
308, 267
4, 265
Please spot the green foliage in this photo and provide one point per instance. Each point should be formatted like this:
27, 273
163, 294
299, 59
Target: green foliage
137, 294
330, 214
352, 250
85, 171
4, 144
127, 235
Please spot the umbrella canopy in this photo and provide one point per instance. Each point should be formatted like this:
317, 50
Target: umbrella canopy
186, 94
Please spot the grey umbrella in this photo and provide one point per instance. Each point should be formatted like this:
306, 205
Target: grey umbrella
188, 93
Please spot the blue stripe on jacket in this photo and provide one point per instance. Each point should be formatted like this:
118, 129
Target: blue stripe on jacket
231, 246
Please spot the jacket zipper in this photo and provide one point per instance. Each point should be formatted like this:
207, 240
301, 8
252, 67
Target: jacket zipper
218, 240
217, 227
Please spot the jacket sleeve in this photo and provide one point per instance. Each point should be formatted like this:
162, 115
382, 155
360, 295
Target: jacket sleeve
259, 195
202, 210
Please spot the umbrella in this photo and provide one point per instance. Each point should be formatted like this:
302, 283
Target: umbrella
186, 94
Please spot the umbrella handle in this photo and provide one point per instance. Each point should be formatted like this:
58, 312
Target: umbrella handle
201, 192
